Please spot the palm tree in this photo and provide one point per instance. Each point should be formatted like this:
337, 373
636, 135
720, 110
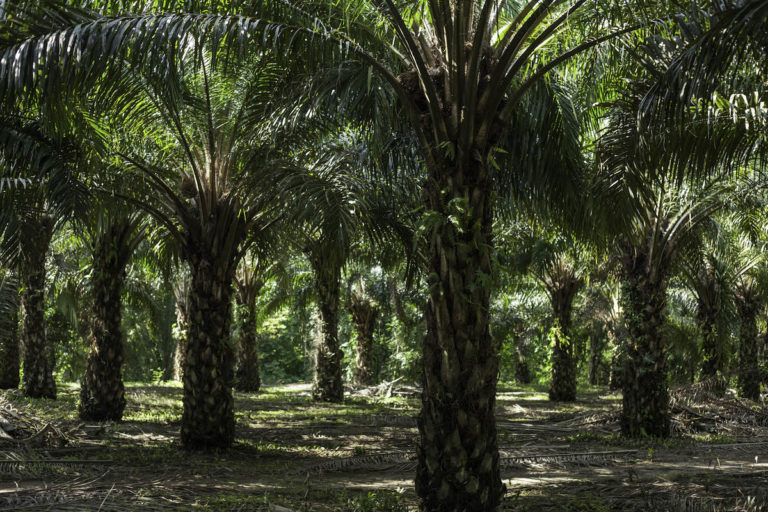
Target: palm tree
713, 275
349, 209
649, 249
115, 238
253, 275
211, 165
9, 331
365, 311
29, 214
562, 275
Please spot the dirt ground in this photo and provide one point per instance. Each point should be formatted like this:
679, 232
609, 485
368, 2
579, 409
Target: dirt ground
293, 454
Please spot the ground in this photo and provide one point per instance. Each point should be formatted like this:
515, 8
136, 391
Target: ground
294, 454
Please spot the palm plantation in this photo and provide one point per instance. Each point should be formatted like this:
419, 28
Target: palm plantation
257, 195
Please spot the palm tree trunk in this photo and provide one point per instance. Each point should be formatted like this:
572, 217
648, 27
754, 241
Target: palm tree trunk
749, 371
458, 457
328, 385
38, 371
247, 378
712, 363
596, 347
364, 314
208, 420
645, 405
563, 388
522, 370
180, 333
9, 352
102, 394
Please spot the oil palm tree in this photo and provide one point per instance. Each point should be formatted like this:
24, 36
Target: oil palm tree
351, 209
557, 264
114, 240
212, 162
717, 268
365, 310
48, 195
255, 272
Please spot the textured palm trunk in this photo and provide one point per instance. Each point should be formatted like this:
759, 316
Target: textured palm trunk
364, 314
247, 377
458, 457
208, 420
645, 404
327, 385
522, 370
749, 371
180, 333
563, 387
596, 346
9, 352
38, 371
102, 393
712, 362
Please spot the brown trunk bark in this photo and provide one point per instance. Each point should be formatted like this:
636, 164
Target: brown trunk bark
364, 314
563, 387
328, 385
247, 379
38, 372
749, 371
522, 371
102, 393
208, 420
645, 404
9, 351
458, 457
180, 333
596, 371
712, 364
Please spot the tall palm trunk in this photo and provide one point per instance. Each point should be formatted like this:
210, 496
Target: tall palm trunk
458, 457
522, 370
749, 371
208, 420
328, 356
180, 334
712, 363
38, 370
596, 372
102, 395
645, 406
563, 388
9, 351
247, 377
364, 314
